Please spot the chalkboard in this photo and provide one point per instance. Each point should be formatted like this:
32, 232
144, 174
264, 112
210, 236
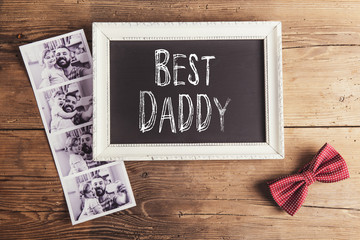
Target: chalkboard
227, 70
187, 91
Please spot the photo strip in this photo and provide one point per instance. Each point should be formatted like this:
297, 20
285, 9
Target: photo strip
60, 72
98, 192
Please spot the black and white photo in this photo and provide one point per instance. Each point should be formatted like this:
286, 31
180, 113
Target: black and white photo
58, 60
60, 72
74, 150
67, 106
99, 192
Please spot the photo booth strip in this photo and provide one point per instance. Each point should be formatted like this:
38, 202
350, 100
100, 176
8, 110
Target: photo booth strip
60, 72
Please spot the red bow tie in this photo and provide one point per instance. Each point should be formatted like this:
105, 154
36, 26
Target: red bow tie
290, 192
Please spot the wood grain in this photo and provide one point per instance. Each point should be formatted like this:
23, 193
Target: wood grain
186, 199
334, 86
304, 24
193, 199
314, 37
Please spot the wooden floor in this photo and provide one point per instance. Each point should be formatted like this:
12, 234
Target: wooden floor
193, 199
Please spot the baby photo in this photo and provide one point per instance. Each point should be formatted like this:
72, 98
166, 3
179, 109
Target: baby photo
67, 106
100, 192
74, 150
58, 60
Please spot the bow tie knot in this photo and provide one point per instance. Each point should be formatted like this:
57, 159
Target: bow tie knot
290, 192
309, 177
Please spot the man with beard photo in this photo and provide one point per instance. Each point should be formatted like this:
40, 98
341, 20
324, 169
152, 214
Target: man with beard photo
109, 199
60, 119
86, 141
63, 60
82, 115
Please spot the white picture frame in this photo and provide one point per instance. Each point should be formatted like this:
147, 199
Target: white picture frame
270, 32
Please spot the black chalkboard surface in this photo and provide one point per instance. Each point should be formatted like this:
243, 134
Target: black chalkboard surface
156, 75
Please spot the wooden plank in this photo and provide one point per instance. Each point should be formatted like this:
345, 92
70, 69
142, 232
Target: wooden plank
321, 86
25, 153
304, 24
315, 225
198, 197
332, 100
17, 101
188, 199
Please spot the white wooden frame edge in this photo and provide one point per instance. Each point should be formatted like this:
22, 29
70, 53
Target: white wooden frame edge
270, 32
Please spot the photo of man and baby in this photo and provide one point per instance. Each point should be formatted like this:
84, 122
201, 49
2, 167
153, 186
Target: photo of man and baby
58, 61
100, 191
74, 150
67, 106
60, 72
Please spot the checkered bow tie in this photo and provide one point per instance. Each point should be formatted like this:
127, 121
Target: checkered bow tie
290, 192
